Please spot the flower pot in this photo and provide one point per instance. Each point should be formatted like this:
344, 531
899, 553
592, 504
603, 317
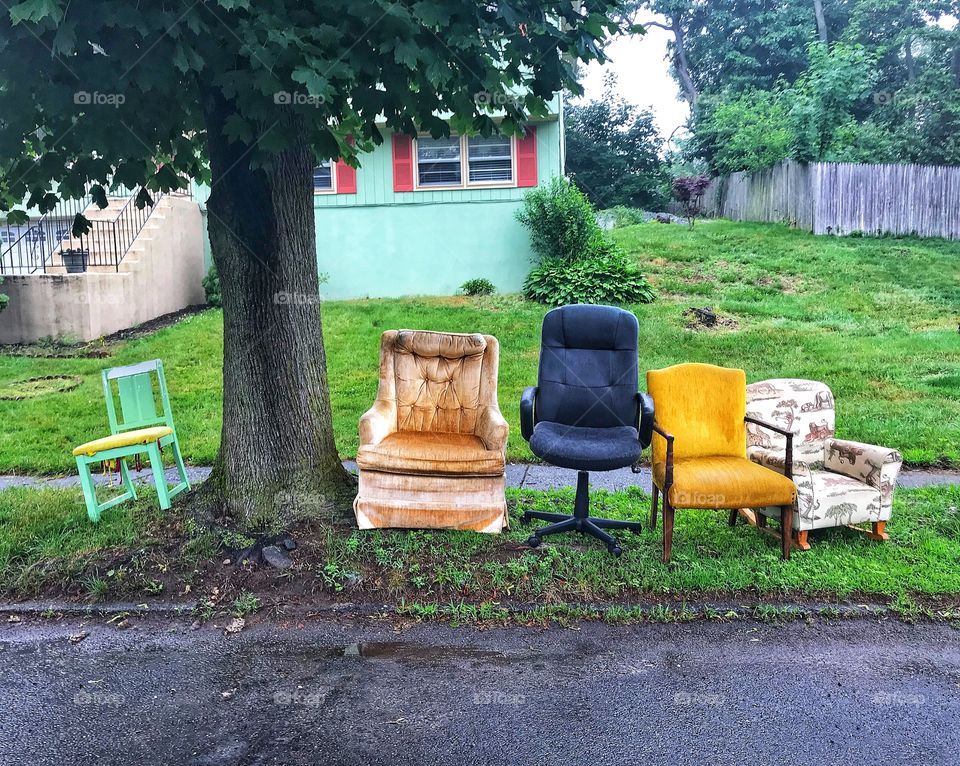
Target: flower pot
75, 261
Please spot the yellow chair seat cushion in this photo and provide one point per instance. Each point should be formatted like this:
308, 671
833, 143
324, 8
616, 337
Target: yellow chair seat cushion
125, 439
724, 482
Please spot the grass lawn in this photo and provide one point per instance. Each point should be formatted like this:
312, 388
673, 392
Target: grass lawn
47, 545
874, 318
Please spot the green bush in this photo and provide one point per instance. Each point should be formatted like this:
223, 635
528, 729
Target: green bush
478, 286
3, 298
624, 216
608, 278
561, 221
211, 286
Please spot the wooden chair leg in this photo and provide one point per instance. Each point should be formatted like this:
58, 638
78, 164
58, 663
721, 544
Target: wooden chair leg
786, 530
159, 476
667, 530
801, 540
125, 476
89, 491
879, 532
732, 521
761, 520
653, 507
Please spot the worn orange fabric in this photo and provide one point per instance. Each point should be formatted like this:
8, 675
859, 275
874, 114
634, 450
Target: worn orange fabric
703, 406
432, 446
425, 452
724, 482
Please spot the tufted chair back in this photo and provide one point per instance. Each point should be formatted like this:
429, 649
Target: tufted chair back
588, 367
803, 406
440, 381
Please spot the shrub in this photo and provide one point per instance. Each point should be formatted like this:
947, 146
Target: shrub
561, 221
478, 286
211, 286
3, 298
607, 278
689, 191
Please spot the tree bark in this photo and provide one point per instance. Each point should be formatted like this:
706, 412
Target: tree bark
821, 21
277, 461
680, 62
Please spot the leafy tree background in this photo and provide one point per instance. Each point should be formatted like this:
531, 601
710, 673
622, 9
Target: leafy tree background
844, 80
614, 151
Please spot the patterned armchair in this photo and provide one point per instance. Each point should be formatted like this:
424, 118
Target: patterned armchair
432, 446
838, 482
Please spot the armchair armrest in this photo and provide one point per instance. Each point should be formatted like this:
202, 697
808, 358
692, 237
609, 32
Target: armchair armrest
492, 428
869, 463
668, 472
378, 422
527, 416
788, 460
644, 422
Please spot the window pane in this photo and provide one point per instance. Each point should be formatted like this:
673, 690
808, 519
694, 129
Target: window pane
323, 176
438, 161
491, 159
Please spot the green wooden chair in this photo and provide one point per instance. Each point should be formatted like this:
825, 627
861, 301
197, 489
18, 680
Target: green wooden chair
140, 429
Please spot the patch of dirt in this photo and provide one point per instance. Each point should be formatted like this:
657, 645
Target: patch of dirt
102, 347
34, 387
706, 319
786, 285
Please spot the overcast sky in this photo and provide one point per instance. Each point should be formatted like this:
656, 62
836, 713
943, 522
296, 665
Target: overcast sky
643, 76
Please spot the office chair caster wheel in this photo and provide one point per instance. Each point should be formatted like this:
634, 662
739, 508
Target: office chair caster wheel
534, 541
615, 549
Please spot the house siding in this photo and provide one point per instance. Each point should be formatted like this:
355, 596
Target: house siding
380, 243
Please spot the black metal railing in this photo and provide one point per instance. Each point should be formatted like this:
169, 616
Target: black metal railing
34, 248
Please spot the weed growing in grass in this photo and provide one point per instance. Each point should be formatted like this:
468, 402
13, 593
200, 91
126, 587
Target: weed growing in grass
246, 603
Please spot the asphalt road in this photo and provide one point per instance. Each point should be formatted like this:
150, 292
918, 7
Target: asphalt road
859, 692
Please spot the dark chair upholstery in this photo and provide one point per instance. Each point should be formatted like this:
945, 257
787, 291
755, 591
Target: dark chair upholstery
585, 412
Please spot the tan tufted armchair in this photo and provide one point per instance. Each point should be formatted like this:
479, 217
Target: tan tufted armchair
432, 447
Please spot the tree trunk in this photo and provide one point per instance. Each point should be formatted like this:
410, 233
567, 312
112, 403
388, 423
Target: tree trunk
821, 21
680, 62
277, 461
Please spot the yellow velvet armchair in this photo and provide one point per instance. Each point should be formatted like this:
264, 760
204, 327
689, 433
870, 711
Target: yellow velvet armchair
700, 448
433, 445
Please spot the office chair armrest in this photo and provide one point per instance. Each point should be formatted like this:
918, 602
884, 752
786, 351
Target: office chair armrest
644, 424
527, 404
788, 458
668, 473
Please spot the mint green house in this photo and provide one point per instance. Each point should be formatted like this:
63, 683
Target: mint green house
421, 216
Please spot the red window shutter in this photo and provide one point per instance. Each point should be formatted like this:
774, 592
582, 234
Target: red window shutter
402, 162
346, 178
527, 158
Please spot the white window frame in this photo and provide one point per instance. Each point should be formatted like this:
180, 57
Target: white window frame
465, 182
333, 180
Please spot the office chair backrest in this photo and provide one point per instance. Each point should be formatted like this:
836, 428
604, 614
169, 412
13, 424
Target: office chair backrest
588, 367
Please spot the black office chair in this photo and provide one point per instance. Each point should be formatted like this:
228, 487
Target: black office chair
585, 412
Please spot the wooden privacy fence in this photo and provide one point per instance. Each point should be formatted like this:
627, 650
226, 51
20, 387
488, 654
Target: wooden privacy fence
840, 198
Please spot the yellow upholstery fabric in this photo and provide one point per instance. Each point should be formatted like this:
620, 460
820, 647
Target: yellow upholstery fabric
424, 452
703, 406
724, 482
125, 439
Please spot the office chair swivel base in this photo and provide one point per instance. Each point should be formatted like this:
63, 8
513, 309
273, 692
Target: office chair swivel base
580, 521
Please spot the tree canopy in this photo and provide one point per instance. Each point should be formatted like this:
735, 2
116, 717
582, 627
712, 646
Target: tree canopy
613, 151
857, 80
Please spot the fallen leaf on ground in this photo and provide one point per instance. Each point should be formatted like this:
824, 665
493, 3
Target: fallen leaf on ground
235, 625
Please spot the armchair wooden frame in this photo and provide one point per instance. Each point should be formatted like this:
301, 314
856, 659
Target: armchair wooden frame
786, 511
